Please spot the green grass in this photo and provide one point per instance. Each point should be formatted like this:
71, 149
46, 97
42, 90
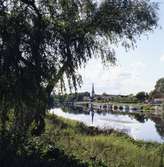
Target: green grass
96, 147
148, 107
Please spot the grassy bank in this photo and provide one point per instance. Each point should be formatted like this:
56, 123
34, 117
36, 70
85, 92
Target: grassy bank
99, 148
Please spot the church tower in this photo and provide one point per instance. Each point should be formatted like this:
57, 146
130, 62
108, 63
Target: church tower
92, 93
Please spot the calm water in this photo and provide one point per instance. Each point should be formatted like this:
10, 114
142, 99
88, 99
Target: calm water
137, 126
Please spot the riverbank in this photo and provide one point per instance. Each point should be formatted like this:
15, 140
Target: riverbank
107, 148
140, 126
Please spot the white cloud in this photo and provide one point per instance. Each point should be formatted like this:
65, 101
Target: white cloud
114, 80
162, 58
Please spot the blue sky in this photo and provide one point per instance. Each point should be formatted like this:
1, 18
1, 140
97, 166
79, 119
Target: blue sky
136, 70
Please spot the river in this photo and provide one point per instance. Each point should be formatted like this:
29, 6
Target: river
138, 126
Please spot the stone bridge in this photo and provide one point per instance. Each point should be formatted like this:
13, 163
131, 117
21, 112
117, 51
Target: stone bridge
110, 106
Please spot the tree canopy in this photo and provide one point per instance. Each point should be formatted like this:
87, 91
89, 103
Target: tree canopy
158, 92
44, 42
142, 96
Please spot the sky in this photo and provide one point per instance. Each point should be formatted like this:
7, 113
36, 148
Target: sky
136, 70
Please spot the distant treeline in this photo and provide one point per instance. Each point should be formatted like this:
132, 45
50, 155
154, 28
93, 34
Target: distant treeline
72, 97
140, 97
85, 96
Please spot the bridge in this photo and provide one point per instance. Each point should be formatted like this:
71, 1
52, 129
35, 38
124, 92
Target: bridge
110, 106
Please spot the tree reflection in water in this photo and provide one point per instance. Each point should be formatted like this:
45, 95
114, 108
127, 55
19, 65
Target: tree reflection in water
140, 118
159, 124
76, 110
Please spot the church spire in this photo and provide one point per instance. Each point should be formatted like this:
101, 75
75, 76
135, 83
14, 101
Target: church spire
93, 91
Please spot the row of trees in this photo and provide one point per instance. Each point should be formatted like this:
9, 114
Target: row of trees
85, 96
158, 92
71, 97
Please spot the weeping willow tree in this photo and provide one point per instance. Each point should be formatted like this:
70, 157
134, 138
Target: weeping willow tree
44, 42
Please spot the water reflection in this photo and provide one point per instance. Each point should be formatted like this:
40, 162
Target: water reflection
76, 110
92, 112
140, 117
137, 125
159, 124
